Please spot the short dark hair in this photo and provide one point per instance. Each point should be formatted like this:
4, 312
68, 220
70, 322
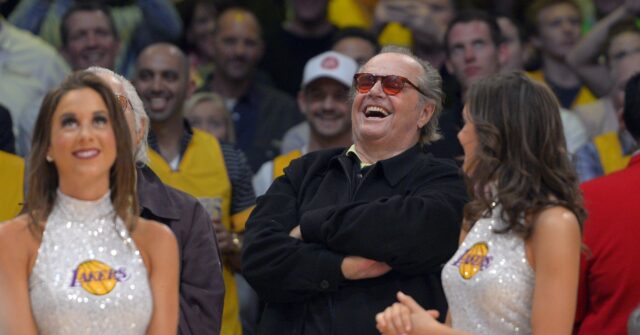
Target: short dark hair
631, 111
356, 32
89, 6
467, 16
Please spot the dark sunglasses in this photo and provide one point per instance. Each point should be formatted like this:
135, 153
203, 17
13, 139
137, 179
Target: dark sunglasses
391, 84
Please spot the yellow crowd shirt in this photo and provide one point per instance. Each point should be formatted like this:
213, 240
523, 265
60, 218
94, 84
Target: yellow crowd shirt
203, 174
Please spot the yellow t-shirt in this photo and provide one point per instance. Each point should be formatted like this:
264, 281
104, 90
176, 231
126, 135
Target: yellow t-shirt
203, 174
584, 96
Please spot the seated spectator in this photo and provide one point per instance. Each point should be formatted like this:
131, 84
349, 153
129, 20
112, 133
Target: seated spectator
356, 43
555, 29
609, 291
584, 58
601, 116
610, 151
206, 111
94, 29
195, 162
261, 114
323, 99
474, 51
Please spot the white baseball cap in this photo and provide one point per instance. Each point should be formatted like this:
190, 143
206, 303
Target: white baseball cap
330, 64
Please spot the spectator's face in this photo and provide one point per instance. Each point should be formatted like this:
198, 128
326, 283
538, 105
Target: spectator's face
392, 121
310, 11
558, 30
623, 45
162, 82
201, 31
91, 41
238, 46
357, 48
513, 46
210, 117
469, 141
472, 53
324, 102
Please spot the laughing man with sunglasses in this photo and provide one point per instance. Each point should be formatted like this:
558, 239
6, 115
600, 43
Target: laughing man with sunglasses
343, 230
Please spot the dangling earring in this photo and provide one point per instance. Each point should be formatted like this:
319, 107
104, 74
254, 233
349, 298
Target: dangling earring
49, 159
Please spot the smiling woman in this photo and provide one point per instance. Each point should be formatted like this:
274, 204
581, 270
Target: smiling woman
81, 258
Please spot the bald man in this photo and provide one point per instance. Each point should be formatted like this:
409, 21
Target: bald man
194, 162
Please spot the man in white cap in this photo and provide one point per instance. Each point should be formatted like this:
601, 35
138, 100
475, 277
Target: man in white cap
324, 100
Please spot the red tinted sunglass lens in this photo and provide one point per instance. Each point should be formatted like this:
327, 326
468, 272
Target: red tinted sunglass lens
364, 82
392, 85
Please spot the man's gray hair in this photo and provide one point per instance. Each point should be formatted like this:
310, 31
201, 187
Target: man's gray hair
138, 111
430, 83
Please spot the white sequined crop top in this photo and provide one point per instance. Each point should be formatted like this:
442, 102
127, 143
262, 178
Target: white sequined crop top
489, 283
89, 277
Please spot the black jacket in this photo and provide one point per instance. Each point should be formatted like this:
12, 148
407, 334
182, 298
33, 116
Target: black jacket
201, 284
405, 211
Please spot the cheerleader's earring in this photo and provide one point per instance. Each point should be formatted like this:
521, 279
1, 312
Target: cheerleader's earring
49, 159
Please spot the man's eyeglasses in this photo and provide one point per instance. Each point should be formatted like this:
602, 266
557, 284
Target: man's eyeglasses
124, 102
391, 84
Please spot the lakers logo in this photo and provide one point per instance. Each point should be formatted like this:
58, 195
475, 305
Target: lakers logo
96, 277
473, 260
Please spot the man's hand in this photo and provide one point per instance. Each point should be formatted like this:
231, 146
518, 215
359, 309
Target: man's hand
356, 267
225, 240
296, 232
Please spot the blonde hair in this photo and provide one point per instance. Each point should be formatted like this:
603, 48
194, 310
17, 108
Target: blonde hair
218, 101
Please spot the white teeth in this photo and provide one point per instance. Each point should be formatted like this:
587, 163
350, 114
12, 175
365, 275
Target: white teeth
376, 111
86, 153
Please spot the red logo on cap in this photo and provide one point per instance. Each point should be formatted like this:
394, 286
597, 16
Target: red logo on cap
329, 63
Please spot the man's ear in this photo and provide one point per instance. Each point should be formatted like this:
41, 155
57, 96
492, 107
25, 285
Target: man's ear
426, 114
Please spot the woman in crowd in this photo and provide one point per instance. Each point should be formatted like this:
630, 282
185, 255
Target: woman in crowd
80, 260
516, 270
